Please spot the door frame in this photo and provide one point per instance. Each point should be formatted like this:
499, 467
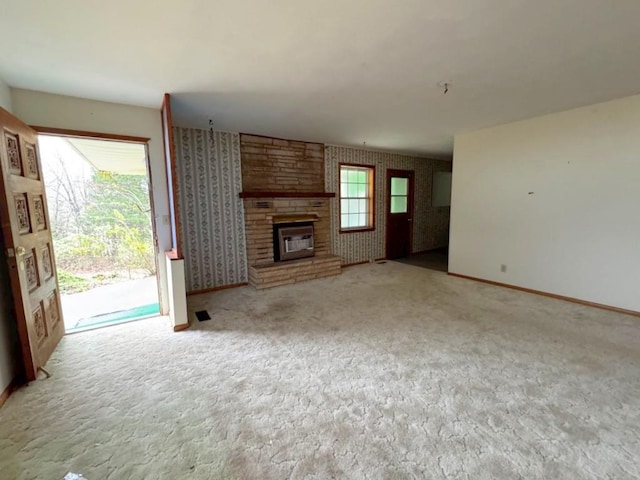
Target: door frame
144, 141
410, 174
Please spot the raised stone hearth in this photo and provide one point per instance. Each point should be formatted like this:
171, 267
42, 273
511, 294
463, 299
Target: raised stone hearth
293, 271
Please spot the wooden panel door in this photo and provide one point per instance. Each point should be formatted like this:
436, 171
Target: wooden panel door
399, 213
25, 227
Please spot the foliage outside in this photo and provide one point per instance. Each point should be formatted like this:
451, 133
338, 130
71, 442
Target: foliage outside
101, 226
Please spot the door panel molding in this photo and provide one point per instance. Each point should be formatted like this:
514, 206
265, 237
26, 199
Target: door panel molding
25, 229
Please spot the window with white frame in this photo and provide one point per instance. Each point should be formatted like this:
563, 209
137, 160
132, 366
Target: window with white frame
356, 197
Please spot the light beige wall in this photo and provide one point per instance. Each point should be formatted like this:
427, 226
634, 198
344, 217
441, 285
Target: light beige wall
177, 293
5, 96
556, 200
43, 109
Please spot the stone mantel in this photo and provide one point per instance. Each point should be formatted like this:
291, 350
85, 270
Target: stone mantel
291, 218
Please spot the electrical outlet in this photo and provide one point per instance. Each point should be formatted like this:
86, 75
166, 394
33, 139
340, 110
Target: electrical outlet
503, 268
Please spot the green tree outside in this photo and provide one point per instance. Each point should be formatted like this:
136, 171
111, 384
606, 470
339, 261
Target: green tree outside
115, 234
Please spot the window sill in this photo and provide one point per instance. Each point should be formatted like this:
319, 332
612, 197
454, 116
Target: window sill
358, 230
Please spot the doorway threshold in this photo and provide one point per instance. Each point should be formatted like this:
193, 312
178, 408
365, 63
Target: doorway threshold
114, 318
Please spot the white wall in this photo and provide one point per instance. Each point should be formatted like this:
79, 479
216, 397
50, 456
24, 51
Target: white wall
47, 110
178, 293
5, 96
557, 200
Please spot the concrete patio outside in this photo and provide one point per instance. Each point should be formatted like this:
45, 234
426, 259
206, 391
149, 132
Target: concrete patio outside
80, 309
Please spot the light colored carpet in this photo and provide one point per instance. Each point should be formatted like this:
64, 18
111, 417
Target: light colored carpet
386, 372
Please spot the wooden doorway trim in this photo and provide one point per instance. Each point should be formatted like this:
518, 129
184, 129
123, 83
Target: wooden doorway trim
64, 132
154, 228
144, 141
172, 178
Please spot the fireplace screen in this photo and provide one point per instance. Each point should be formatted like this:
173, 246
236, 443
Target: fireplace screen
292, 241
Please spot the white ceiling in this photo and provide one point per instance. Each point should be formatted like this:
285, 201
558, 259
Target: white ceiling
117, 157
334, 71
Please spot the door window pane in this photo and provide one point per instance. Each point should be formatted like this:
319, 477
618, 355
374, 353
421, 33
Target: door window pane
398, 204
399, 186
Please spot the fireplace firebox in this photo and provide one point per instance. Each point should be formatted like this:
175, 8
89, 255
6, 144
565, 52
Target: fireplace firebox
292, 240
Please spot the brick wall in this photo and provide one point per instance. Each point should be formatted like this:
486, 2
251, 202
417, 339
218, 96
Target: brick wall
272, 164
258, 216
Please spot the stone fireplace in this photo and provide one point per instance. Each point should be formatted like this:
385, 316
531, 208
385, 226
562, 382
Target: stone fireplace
287, 215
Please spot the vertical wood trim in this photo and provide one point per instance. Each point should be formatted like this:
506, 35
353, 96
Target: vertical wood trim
172, 180
154, 226
411, 209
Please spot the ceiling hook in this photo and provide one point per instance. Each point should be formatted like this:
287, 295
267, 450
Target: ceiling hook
211, 132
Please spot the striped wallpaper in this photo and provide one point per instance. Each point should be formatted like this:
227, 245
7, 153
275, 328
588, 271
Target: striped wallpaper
211, 213
431, 224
